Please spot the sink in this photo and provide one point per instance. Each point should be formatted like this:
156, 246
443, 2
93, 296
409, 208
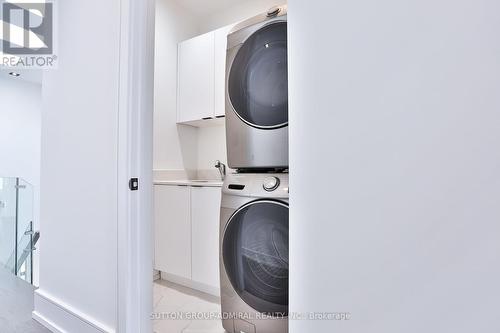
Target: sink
206, 181
188, 182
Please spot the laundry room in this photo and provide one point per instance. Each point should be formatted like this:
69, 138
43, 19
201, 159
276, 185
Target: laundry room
220, 166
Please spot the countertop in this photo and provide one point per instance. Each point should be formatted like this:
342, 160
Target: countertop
187, 182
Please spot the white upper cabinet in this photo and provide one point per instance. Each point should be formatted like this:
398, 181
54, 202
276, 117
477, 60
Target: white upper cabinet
195, 90
220, 48
202, 77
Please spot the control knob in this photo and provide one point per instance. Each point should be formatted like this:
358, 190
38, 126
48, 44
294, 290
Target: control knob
271, 183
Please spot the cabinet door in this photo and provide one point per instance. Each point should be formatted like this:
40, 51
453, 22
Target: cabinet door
220, 36
196, 78
172, 230
205, 212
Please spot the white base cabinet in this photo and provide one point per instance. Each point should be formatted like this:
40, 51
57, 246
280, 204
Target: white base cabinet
186, 222
205, 212
172, 218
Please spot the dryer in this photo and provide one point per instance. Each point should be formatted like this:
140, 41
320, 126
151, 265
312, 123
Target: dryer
254, 253
257, 93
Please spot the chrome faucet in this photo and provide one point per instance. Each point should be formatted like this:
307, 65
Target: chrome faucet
222, 169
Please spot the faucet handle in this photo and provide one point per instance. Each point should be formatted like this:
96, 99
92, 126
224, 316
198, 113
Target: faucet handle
222, 168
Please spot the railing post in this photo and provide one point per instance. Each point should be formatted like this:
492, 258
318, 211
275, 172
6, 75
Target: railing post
32, 247
16, 226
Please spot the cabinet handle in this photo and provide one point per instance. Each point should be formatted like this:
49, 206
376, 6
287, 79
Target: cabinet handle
207, 118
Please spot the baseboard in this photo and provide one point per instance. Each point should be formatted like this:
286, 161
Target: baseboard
191, 284
59, 317
46, 323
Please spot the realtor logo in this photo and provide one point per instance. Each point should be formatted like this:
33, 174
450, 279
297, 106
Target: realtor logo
28, 34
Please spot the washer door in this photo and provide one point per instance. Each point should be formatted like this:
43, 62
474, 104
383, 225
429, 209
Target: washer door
258, 80
255, 254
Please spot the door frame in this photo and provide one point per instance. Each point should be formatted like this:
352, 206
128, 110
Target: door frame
135, 160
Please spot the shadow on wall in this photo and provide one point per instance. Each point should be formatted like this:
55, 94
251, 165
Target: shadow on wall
188, 140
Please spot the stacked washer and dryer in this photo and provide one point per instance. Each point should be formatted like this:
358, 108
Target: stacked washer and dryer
254, 209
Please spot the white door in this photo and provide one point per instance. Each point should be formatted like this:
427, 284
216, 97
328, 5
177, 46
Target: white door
196, 78
172, 230
205, 214
220, 49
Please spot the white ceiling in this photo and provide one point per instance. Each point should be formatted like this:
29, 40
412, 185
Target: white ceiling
208, 7
30, 75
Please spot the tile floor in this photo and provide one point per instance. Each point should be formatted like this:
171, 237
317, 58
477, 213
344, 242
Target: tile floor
174, 304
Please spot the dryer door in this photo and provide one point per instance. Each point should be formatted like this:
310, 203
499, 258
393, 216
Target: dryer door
255, 254
258, 80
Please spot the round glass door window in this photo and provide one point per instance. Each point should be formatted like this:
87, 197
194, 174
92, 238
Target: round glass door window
255, 254
258, 80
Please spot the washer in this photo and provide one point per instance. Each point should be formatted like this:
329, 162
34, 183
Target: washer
257, 92
254, 253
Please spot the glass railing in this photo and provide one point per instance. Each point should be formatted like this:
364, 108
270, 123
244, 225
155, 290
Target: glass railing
17, 236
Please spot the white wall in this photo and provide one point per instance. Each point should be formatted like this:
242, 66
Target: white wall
211, 147
7, 219
20, 127
78, 273
175, 146
395, 165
